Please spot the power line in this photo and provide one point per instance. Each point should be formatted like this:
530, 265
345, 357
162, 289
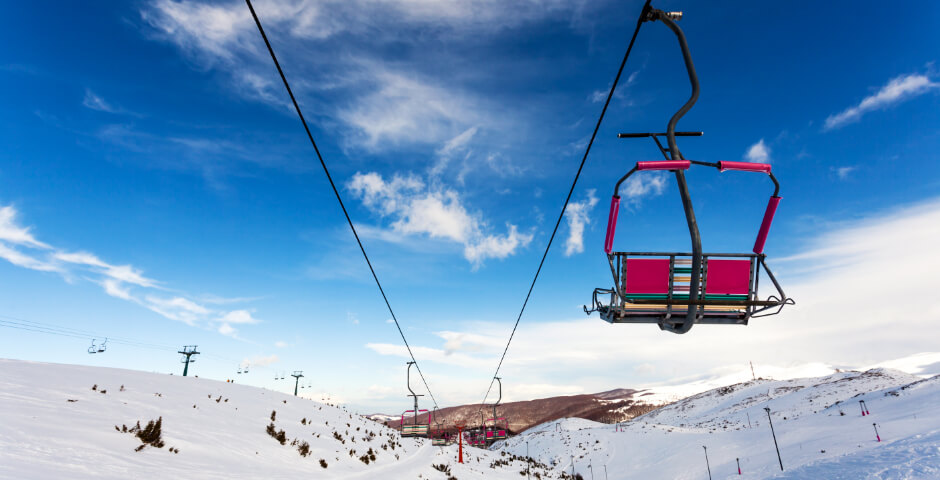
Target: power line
336, 192
574, 183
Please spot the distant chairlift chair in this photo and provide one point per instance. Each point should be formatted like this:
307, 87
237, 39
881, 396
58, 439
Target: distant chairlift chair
414, 429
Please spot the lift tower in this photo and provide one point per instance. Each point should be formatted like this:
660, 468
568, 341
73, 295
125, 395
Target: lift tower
188, 351
297, 376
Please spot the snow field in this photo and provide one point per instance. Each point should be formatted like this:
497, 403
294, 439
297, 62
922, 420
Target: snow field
53, 425
815, 440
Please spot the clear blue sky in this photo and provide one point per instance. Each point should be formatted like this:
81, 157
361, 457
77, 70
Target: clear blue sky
156, 185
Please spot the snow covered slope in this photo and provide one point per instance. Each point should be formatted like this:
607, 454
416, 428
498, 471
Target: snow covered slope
62, 421
816, 440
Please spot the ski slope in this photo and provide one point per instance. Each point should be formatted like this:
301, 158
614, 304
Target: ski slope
815, 440
54, 425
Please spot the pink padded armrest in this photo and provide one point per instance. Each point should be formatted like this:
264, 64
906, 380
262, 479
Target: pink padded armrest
647, 275
765, 225
728, 277
612, 224
664, 165
744, 166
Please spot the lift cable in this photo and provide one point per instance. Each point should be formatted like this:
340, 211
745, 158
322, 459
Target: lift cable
18, 323
338, 197
639, 22
39, 327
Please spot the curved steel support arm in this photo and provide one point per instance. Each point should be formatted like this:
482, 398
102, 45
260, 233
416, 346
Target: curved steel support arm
656, 14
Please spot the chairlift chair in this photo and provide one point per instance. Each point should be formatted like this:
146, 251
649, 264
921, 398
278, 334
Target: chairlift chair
498, 426
497, 429
676, 290
415, 429
437, 437
103, 346
93, 348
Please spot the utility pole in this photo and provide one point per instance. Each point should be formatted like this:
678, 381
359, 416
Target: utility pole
748, 419
706, 463
605, 471
591, 468
187, 351
298, 374
767, 409
572, 466
753, 377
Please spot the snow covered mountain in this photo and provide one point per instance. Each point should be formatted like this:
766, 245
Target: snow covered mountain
817, 422
66, 421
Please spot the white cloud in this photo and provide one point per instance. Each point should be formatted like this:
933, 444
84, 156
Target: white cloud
578, 215
227, 330
177, 308
404, 108
125, 282
454, 146
261, 361
95, 102
598, 96
122, 273
438, 213
638, 186
496, 246
12, 233
897, 89
459, 142
21, 259
383, 102
843, 172
281, 344
759, 152
239, 316
115, 289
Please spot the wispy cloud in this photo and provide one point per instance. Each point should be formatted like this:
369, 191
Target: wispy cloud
20, 247
439, 213
578, 214
397, 108
598, 96
759, 152
843, 172
12, 233
374, 101
95, 102
260, 360
897, 90
637, 187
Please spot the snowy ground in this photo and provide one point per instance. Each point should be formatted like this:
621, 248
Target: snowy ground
53, 425
815, 440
